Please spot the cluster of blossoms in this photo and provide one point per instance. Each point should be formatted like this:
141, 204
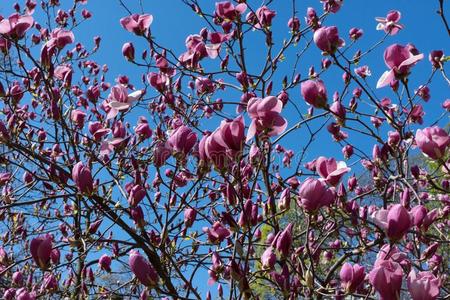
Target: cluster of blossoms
145, 186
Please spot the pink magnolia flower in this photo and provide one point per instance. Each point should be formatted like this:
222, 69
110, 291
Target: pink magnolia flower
82, 177
182, 140
435, 58
423, 286
314, 194
23, 294
64, 73
189, 216
217, 233
204, 85
17, 278
355, 33
396, 221
161, 153
59, 38
143, 129
351, 276
136, 194
50, 283
264, 16
268, 258
41, 248
400, 60
432, 141
363, 71
213, 148
330, 170
423, 92
265, 115
5, 177
120, 100
105, 263
228, 12
314, 92
16, 25
327, 39
332, 5
137, 214
285, 199
386, 278
158, 81
422, 218
137, 24
283, 241
339, 112
229, 136
128, 51
143, 269
390, 23
294, 24
97, 130
78, 117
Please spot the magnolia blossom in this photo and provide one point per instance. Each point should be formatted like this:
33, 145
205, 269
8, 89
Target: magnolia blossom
120, 100
16, 25
82, 177
143, 269
59, 38
423, 285
265, 115
314, 194
268, 258
217, 233
228, 12
390, 23
138, 24
314, 92
400, 59
386, 278
351, 276
327, 39
330, 170
182, 140
396, 221
432, 141
41, 248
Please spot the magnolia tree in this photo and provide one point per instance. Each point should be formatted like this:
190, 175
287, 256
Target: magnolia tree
201, 177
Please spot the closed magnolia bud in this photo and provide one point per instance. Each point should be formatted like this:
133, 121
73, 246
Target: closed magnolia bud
128, 51
17, 278
142, 269
327, 39
189, 216
347, 151
82, 177
314, 92
268, 258
41, 248
105, 263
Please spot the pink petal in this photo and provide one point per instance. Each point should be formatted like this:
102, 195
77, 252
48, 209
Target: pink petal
251, 131
385, 79
119, 105
413, 59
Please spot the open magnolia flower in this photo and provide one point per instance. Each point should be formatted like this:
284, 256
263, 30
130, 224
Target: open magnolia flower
265, 115
400, 59
120, 100
390, 24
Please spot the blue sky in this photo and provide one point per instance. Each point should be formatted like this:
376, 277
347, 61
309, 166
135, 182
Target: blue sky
174, 21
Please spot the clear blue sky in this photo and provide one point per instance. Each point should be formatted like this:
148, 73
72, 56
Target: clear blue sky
174, 21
